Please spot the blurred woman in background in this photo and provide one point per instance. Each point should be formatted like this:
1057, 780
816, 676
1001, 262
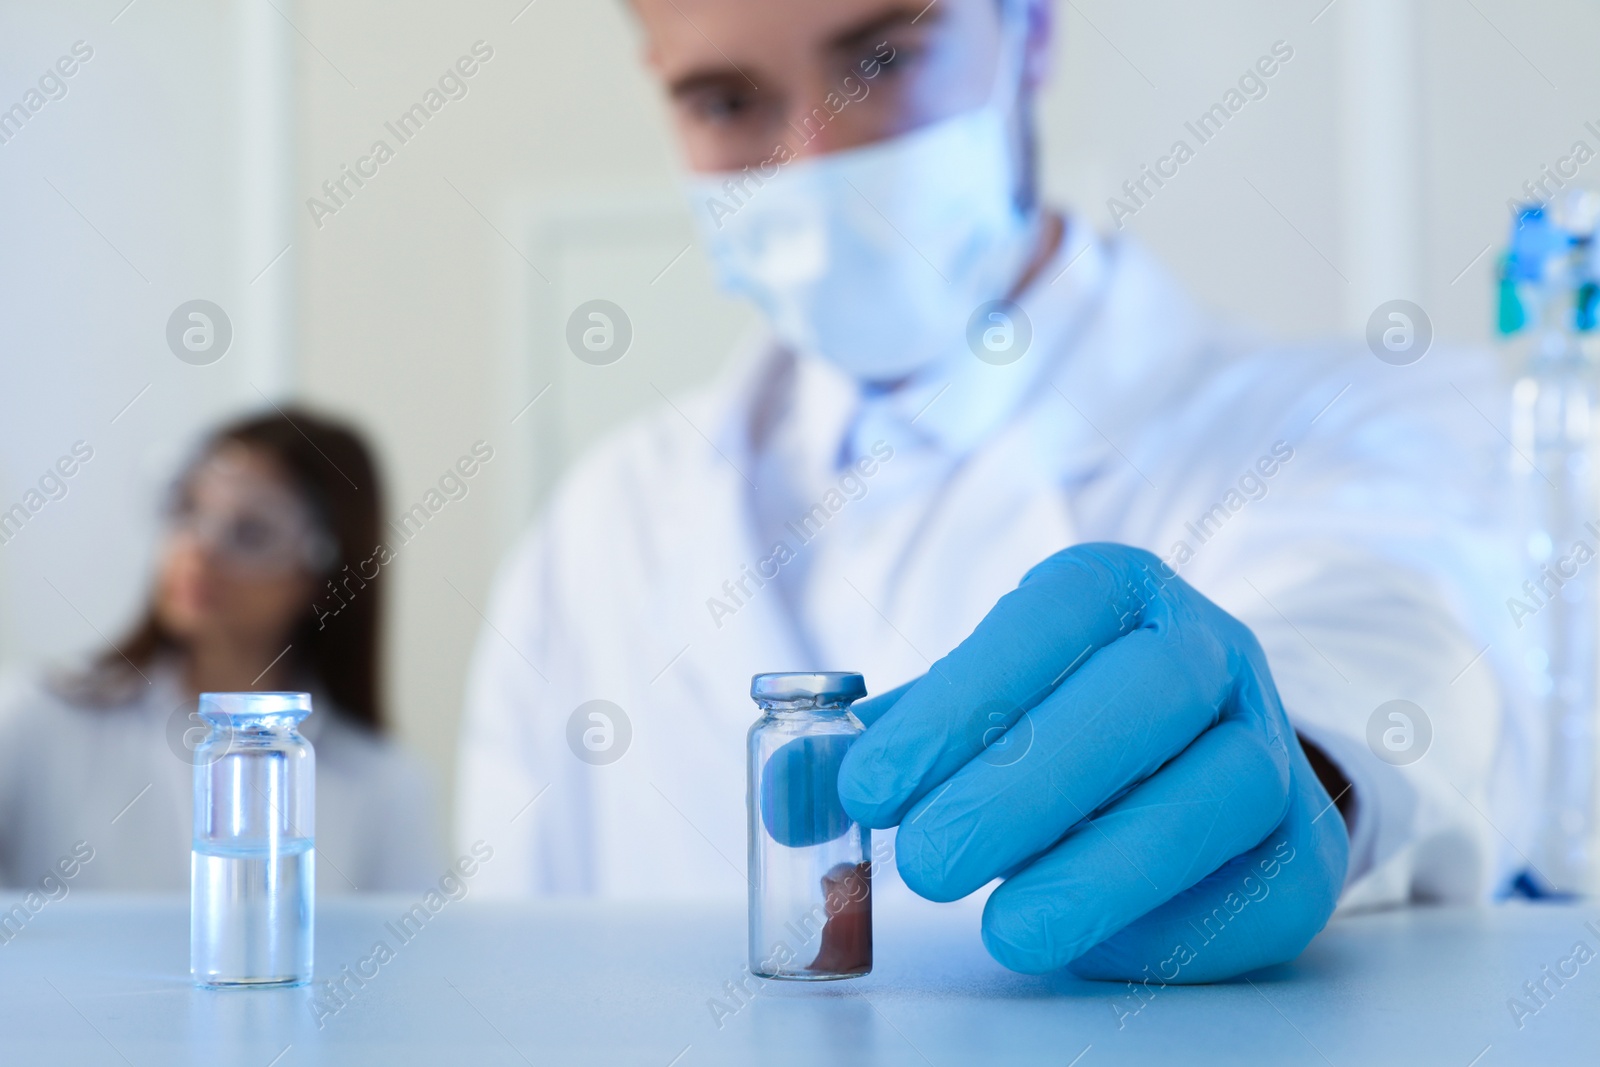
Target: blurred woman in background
258, 526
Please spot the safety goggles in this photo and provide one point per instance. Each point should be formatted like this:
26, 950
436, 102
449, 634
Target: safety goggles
248, 521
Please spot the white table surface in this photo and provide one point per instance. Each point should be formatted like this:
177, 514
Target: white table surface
104, 980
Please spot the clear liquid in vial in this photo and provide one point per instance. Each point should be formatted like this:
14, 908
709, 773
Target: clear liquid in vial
251, 912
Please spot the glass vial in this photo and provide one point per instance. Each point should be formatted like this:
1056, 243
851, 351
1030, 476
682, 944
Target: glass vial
810, 878
253, 866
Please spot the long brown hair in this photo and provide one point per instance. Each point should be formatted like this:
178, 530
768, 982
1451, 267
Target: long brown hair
330, 466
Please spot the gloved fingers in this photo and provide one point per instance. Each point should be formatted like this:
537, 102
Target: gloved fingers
1134, 706
799, 799
1217, 799
1261, 908
873, 708
1069, 606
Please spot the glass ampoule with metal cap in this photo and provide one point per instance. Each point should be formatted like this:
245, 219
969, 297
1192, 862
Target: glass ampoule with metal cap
810, 873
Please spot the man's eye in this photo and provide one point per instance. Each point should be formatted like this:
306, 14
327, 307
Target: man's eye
891, 59
723, 106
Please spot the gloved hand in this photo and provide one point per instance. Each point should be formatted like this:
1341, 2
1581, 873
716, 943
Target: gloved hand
1111, 743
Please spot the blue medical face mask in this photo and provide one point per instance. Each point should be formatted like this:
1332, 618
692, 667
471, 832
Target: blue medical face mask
874, 258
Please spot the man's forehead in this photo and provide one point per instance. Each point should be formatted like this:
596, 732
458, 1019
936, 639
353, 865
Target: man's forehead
694, 34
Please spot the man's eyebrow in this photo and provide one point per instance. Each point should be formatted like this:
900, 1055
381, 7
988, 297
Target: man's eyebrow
706, 78
892, 19
845, 40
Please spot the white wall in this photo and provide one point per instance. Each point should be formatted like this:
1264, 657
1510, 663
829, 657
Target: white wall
156, 179
1377, 166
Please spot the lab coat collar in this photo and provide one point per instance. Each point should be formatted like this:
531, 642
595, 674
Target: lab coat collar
1114, 339
945, 413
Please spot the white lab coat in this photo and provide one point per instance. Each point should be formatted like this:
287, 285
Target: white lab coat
118, 779
1364, 570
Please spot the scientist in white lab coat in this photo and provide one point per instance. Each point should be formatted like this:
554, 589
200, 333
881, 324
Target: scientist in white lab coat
1003, 464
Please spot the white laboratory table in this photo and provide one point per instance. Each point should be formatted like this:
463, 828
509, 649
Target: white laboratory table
104, 980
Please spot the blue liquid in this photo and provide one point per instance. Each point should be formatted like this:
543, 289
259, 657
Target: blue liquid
250, 916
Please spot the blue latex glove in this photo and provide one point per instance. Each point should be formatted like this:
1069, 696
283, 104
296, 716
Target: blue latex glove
1111, 743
